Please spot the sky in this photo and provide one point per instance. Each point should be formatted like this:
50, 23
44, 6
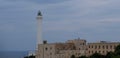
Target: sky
92, 20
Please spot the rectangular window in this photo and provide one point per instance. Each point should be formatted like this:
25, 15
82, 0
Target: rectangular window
111, 47
106, 47
99, 51
89, 46
92, 46
83, 43
103, 47
92, 51
89, 51
103, 52
99, 47
95, 47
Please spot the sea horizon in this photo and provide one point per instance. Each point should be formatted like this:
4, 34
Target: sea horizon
13, 54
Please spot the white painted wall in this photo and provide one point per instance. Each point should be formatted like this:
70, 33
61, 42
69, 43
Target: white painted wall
39, 30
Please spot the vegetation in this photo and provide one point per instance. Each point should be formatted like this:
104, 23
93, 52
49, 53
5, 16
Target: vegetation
97, 55
110, 55
82, 57
32, 56
73, 56
117, 50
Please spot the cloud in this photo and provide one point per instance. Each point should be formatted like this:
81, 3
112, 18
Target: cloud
83, 12
71, 15
61, 19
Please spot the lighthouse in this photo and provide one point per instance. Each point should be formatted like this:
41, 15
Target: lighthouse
39, 28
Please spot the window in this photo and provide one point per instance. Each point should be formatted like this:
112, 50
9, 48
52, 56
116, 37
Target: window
83, 44
46, 48
103, 47
103, 51
99, 51
110, 46
92, 51
50, 48
50, 53
89, 46
92, 46
99, 47
106, 47
89, 51
95, 51
95, 47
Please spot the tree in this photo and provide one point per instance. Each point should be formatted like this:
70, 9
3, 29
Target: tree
96, 55
117, 50
82, 57
116, 56
72, 56
26, 57
110, 55
32, 56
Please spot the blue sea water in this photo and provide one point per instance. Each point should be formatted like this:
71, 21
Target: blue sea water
13, 54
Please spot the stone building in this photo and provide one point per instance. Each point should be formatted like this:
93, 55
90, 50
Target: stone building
101, 47
61, 50
77, 47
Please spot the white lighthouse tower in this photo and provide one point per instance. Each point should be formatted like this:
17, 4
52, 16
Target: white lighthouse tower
39, 28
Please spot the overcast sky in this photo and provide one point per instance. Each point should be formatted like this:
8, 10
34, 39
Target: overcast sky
93, 20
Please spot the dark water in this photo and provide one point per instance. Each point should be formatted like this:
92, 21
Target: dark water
13, 54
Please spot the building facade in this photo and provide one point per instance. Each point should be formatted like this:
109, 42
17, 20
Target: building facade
101, 47
76, 47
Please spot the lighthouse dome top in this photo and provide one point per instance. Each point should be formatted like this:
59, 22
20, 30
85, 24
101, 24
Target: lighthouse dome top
39, 13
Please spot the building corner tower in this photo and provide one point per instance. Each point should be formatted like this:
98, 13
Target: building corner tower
39, 28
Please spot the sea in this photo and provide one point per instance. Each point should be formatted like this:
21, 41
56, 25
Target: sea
13, 54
